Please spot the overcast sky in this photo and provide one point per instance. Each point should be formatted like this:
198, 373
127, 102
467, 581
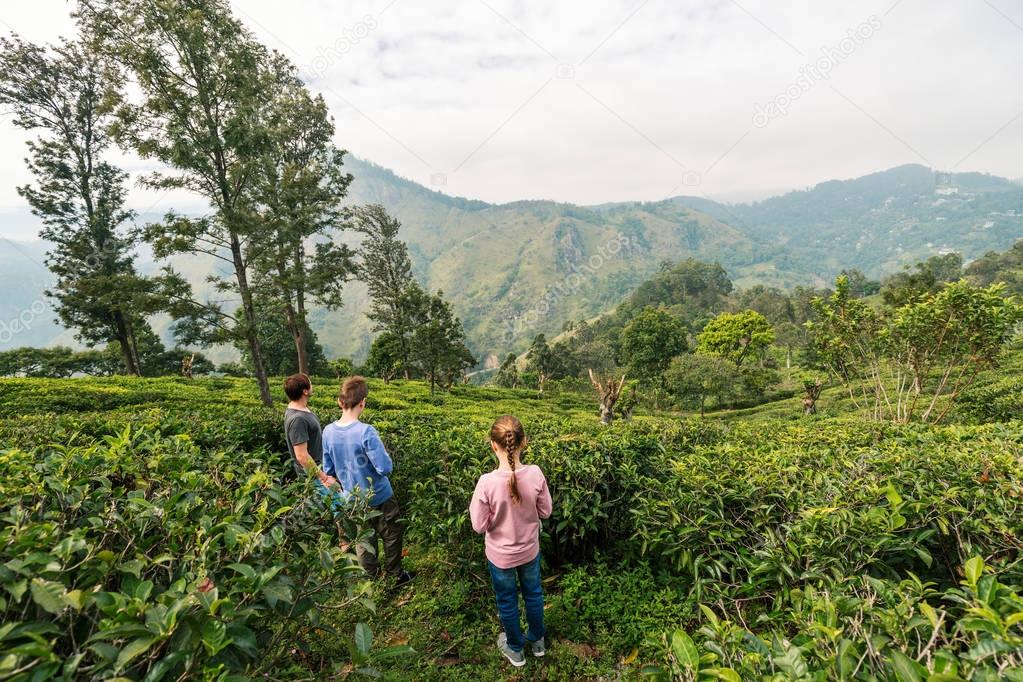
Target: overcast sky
612, 100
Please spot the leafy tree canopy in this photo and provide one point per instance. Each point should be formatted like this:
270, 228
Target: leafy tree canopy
736, 336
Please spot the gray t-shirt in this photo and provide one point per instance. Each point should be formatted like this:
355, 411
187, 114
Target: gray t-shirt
300, 427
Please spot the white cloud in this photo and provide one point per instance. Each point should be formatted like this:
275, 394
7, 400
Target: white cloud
426, 88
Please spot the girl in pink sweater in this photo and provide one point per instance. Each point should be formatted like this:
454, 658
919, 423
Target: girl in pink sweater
507, 506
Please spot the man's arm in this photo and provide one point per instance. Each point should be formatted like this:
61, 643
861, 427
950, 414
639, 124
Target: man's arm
309, 465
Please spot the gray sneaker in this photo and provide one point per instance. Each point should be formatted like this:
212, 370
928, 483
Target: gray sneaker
539, 647
517, 658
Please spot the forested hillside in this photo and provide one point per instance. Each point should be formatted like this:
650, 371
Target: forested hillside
515, 270
882, 221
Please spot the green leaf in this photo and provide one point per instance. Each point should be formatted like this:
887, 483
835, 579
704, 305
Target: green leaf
164, 666
973, 569
132, 566
709, 614
75, 599
363, 638
132, 650
905, 668
980, 625
277, 591
48, 595
930, 613
685, 650
894, 499
791, 662
17, 589
244, 569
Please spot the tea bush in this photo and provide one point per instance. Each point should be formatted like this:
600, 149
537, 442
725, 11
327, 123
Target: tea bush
866, 629
810, 543
142, 556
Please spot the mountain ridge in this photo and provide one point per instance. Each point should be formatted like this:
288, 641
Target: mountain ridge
524, 267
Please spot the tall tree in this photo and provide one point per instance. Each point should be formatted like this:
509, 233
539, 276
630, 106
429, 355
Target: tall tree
508, 374
859, 284
692, 379
736, 336
384, 359
277, 342
203, 86
1005, 267
921, 355
438, 343
541, 361
64, 92
385, 267
297, 200
650, 341
926, 277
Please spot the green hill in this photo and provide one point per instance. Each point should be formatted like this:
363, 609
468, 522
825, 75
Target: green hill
518, 269
882, 221
514, 270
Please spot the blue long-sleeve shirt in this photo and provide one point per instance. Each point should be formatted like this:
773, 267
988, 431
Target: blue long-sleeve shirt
356, 457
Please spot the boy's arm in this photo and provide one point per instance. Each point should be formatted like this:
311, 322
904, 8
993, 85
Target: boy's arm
328, 466
544, 504
377, 453
479, 510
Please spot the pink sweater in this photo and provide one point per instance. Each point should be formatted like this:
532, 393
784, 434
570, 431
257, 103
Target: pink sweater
512, 530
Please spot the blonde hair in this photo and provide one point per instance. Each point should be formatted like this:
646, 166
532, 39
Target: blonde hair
508, 433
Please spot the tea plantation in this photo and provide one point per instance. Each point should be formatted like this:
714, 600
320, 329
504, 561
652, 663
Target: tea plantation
150, 530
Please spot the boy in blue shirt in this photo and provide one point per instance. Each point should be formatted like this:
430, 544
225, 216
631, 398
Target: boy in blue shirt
354, 454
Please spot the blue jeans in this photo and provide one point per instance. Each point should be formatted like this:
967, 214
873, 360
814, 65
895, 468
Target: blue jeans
335, 498
507, 584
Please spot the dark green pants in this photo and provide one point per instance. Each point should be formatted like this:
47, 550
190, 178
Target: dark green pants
387, 527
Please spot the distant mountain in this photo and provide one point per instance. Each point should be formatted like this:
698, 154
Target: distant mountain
882, 221
515, 270
518, 269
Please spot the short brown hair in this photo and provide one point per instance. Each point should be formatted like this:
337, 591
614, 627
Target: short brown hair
296, 385
353, 391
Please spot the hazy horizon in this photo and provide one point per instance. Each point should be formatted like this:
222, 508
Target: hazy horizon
619, 101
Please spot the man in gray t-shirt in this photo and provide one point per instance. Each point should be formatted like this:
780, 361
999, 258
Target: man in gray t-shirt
302, 430
302, 427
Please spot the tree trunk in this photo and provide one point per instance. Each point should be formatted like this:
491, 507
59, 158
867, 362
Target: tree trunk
124, 341
250, 322
134, 347
298, 335
403, 349
608, 393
